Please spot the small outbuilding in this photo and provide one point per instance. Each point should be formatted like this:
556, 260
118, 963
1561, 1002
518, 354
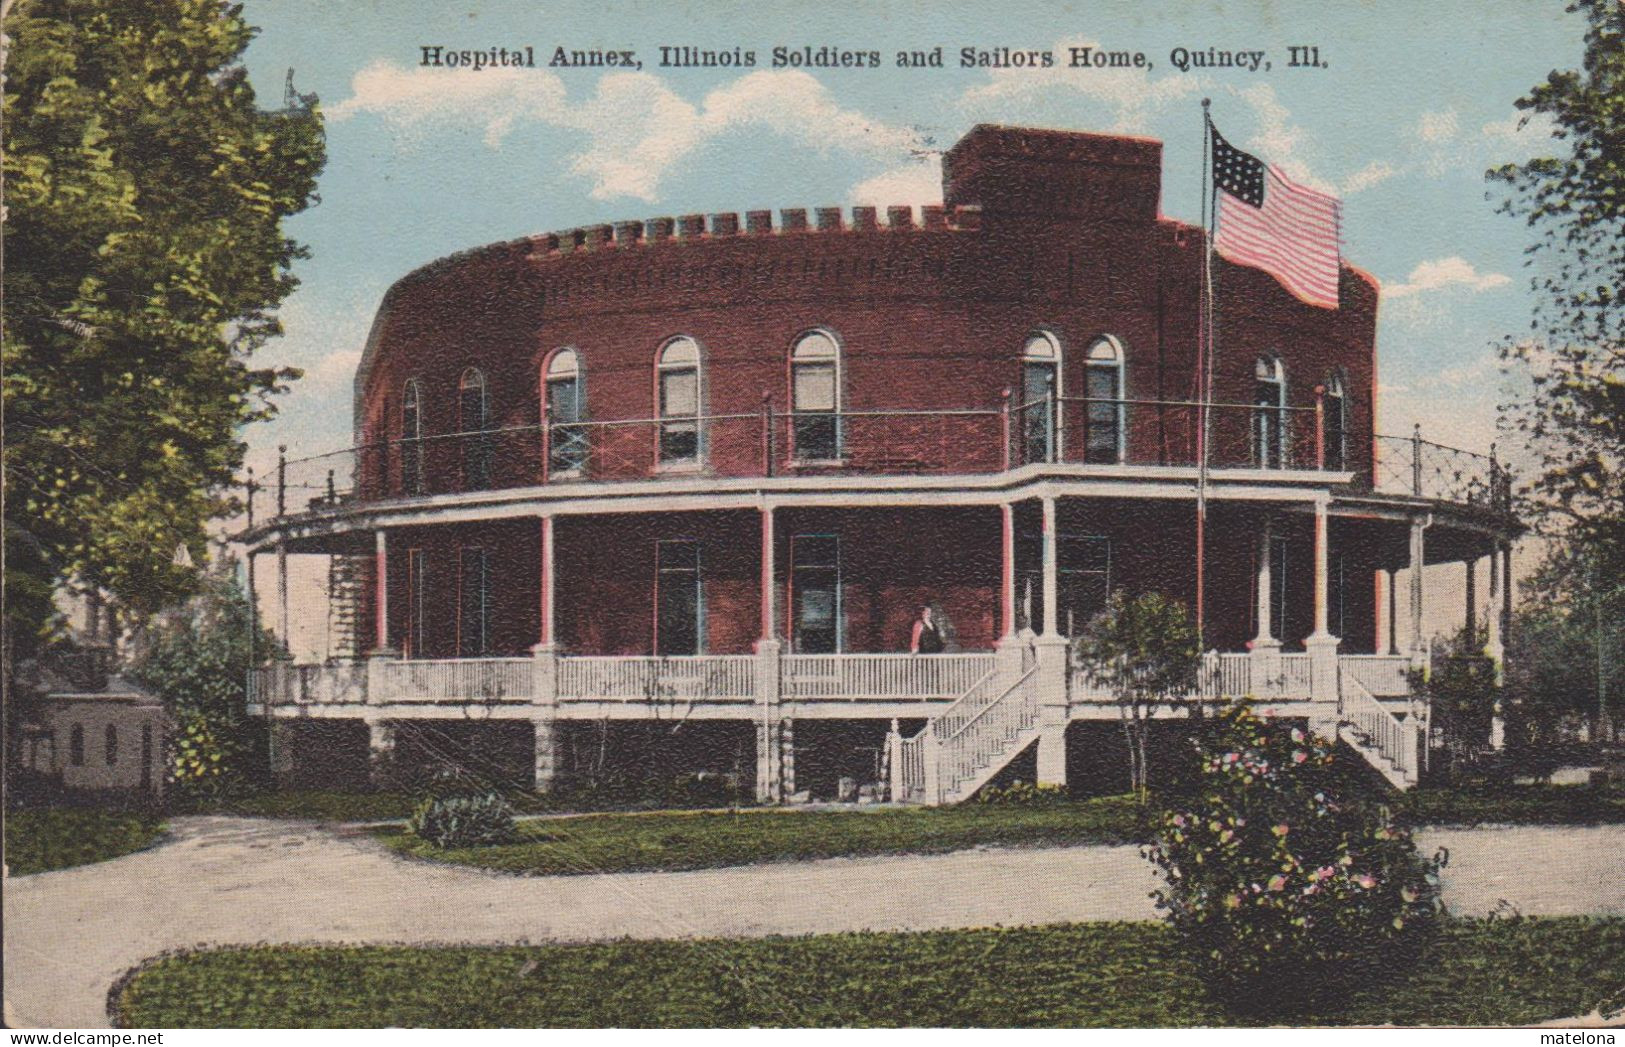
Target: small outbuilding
97, 741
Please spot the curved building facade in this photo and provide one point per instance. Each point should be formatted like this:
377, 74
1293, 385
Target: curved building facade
692, 467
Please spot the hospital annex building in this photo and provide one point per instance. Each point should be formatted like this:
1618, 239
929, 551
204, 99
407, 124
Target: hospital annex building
707, 472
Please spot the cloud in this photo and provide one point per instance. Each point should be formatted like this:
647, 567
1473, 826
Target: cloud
1131, 96
1440, 273
915, 184
1374, 173
1437, 127
638, 130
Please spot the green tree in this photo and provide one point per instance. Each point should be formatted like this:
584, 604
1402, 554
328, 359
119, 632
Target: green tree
145, 192
197, 659
1574, 200
1145, 650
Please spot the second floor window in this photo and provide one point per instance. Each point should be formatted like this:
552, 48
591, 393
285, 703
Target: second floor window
474, 421
412, 438
1269, 413
1040, 398
677, 376
1104, 375
815, 397
1334, 423
566, 409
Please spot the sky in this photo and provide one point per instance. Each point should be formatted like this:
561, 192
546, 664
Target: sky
1412, 104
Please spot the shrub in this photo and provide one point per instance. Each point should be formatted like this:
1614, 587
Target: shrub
1279, 884
1024, 794
463, 821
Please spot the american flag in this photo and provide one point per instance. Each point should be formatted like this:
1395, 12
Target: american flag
1268, 221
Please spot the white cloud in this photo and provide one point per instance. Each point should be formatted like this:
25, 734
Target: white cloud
1374, 173
638, 129
914, 184
1440, 273
1132, 96
1437, 127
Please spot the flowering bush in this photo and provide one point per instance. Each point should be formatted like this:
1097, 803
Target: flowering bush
1278, 886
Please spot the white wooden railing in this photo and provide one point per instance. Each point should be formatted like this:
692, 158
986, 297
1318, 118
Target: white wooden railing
986, 736
715, 676
1379, 728
858, 677
1384, 675
459, 679
910, 777
1232, 676
284, 683
1296, 678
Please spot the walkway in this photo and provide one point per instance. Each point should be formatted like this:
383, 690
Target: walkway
70, 934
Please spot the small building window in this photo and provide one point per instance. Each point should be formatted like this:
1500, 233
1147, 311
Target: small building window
412, 438
679, 599
474, 421
1040, 398
473, 604
1269, 413
1334, 422
815, 593
146, 755
677, 378
566, 410
76, 745
110, 745
815, 397
1107, 413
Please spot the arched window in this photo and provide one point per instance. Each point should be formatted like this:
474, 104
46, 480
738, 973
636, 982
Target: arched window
566, 409
1335, 424
1107, 414
677, 382
1040, 398
412, 438
1269, 413
76, 745
815, 396
473, 421
110, 745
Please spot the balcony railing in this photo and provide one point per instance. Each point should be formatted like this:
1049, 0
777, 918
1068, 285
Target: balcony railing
1104, 432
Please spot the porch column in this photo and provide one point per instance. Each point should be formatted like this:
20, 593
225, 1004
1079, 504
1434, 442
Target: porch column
380, 585
1051, 603
1321, 645
282, 594
380, 749
1265, 665
769, 754
1007, 576
1471, 622
1393, 610
546, 756
1419, 526
770, 628
1494, 644
549, 606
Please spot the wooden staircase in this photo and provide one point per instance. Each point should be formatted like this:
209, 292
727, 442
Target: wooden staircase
968, 743
1393, 747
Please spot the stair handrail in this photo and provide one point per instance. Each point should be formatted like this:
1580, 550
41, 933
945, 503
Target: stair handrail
1382, 728
973, 747
961, 707
1023, 678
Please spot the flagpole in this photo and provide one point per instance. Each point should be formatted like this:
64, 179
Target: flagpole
1204, 370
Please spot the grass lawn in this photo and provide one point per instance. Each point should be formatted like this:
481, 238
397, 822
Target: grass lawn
1103, 974
328, 805
700, 840
1512, 805
58, 837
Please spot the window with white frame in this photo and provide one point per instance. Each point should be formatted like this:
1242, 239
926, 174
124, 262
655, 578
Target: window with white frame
815, 593
679, 598
474, 421
1106, 411
412, 438
677, 376
473, 603
1040, 397
815, 395
416, 602
1334, 423
1269, 413
566, 410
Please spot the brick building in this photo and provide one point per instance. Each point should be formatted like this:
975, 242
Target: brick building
686, 469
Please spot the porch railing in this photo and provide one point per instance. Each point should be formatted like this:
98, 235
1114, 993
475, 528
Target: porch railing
1378, 728
973, 745
1383, 675
332, 683
461, 679
880, 676
651, 679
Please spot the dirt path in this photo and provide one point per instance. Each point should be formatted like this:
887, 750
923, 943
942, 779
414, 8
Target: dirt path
223, 881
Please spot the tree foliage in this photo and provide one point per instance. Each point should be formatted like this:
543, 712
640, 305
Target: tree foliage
1574, 202
1145, 650
145, 193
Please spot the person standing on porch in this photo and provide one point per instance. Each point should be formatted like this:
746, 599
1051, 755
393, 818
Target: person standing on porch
927, 637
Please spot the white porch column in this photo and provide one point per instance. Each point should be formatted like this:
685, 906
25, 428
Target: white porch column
1265, 665
1321, 645
1051, 601
1007, 569
549, 608
546, 754
1053, 709
282, 595
380, 748
380, 586
1494, 646
1419, 527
